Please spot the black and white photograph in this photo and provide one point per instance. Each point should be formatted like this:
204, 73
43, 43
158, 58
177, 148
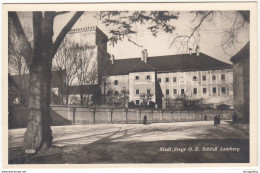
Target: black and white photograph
146, 84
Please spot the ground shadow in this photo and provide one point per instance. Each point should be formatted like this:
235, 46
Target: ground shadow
110, 149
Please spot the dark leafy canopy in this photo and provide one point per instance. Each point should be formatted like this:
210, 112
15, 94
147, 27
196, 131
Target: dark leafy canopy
123, 21
122, 24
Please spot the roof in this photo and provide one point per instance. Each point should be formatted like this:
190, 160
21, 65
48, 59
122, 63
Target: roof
243, 53
141, 67
169, 63
83, 89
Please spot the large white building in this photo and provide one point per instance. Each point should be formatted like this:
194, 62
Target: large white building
195, 75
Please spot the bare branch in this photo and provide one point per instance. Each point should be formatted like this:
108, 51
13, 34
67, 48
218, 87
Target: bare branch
65, 30
61, 12
186, 38
16, 30
245, 15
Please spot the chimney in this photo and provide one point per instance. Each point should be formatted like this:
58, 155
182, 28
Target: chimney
144, 55
190, 51
112, 59
198, 50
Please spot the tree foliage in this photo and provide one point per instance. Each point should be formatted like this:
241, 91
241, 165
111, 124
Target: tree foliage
232, 23
123, 23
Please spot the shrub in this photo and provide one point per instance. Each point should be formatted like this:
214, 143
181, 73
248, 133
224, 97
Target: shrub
131, 104
151, 104
223, 106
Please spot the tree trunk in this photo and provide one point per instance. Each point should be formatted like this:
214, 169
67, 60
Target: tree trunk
39, 60
81, 99
39, 134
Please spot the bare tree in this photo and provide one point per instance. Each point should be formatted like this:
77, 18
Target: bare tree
145, 99
86, 69
122, 26
234, 22
124, 96
65, 59
17, 65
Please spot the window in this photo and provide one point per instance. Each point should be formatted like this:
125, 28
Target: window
160, 80
213, 77
167, 79
223, 90
136, 77
116, 82
167, 92
137, 91
194, 90
148, 77
204, 90
116, 93
137, 102
222, 77
148, 91
109, 92
214, 90
182, 91
174, 79
174, 91
204, 78
194, 77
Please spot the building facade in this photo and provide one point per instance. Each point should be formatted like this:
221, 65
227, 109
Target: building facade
241, 82
145, 79
86, 78
194, 75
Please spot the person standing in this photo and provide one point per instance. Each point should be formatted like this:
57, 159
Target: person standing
145, 120
215, 120
234, 117
205, 118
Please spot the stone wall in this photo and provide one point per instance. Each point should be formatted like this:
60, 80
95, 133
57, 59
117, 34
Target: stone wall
63, 115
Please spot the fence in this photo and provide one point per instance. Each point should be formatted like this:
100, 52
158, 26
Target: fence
64, 115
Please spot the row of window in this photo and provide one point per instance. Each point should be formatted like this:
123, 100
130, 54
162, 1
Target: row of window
148, 77
204, 78
148, 91
195, 90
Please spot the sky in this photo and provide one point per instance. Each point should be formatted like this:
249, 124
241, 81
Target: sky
210, 35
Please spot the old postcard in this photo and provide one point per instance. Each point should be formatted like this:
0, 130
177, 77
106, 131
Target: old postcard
142, 84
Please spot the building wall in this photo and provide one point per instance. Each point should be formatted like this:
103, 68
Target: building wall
142, 84
79, 36
197, 80
70, 115
185, 81
88, 35
241, 88
122, 83
97, 42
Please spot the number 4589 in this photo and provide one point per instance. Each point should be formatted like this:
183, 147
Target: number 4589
30, 151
